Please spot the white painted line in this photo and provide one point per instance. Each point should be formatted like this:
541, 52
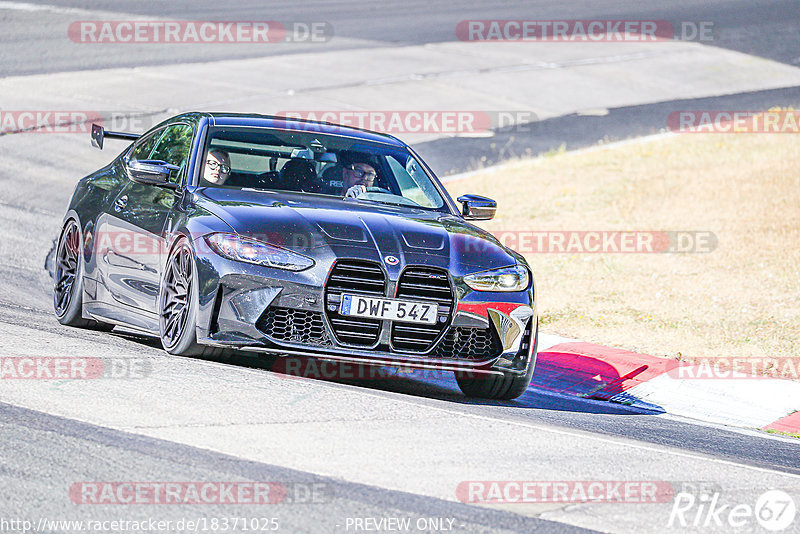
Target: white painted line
547, 341
752, 403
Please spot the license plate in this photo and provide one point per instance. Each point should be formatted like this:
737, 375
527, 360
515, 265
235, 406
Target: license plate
391, 309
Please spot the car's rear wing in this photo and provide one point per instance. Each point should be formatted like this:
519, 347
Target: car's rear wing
98, 134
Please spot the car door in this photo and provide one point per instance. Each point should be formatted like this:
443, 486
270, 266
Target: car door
135, 223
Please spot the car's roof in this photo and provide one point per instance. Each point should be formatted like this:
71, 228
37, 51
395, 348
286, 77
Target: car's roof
284, 123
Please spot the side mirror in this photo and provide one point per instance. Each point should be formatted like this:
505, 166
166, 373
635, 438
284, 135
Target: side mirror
477, 208
152, 172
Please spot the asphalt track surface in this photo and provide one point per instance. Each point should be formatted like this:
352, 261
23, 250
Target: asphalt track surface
391, 448
32, 38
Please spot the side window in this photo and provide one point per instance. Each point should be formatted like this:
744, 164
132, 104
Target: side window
145, 146
174, 147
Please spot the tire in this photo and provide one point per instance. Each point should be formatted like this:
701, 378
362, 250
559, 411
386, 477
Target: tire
177, 305
499, 387
68, 281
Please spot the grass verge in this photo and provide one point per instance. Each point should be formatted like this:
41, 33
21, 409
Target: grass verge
741, 300
786, 434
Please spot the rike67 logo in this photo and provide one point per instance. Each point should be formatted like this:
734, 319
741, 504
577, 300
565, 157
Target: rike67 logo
774, 510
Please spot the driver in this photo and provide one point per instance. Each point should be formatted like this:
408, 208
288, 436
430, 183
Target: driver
357, 177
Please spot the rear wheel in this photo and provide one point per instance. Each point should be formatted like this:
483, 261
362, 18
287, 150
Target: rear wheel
500, 387
177, 305
68, 288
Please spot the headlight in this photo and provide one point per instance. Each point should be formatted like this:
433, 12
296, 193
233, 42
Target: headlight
506, 279
248, 250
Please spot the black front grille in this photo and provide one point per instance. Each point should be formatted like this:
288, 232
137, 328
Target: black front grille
295, 326
426, 284
354, 277
468, 344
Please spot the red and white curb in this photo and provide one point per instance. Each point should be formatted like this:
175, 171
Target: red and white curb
577, 368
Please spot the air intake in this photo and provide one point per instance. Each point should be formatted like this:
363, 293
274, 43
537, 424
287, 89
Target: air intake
359, 278
427, 284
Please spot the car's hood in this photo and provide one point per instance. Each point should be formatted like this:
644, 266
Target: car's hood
319, 226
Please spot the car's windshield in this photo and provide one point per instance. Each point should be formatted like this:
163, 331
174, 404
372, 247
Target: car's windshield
312, 162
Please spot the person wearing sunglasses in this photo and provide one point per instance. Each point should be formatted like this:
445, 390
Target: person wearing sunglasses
218, 166
356, 178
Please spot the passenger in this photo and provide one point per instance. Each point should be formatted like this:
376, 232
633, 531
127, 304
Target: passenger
218, 167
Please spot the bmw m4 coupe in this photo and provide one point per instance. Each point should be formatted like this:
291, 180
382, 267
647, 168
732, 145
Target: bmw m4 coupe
220, 231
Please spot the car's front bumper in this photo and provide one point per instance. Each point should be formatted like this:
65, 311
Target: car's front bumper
233, 298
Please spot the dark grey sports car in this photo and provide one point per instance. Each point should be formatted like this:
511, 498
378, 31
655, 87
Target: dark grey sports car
219, 231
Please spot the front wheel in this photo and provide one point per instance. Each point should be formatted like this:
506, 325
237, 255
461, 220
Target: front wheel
177, 302
500, 387
177, 305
